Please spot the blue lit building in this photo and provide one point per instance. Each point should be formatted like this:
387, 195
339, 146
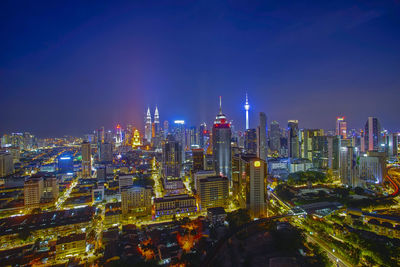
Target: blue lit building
65, 164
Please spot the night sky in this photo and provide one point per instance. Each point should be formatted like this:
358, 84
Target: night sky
68, 67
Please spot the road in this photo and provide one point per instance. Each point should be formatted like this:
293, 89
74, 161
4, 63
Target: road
334, 257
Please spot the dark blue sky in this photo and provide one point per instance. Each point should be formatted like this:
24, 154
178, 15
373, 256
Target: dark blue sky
68, 67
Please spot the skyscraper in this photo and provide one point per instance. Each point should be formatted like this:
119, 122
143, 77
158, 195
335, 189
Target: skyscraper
221, 134
341, 127
262, 137
86, 160
307, 142
293, 139
251, 178
348, 166
172, 157
148, 126
250, 141
247, 107
203, 135
372, 134
198, 159
275, 136
106, 153
6, 164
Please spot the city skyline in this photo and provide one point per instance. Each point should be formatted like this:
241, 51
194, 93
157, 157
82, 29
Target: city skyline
72, 68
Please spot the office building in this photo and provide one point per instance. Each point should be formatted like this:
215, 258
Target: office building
348, 167
293, 139
65, 164
307, 142
33, 192
178, 205
262, 137
125, 181
372, 135
213, 192
275, 136
171, 157
6, 164
148, 127
372, 167
250, 141
106, 153
250, 186
136, 201
341, 127
201, 175
221, 134
86, 160
198, 160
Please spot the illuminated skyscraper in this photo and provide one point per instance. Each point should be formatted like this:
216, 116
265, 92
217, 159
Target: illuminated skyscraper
293, 139
118, 137
203, 135
247, 107
86, 160
172, 157
221, 136
6, 164
341, 127
148, 126
372, 134
156, 121
348, 166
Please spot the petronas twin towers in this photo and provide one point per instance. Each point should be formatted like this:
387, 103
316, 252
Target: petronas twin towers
151, 128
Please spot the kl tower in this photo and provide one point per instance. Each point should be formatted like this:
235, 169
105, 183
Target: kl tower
247, 107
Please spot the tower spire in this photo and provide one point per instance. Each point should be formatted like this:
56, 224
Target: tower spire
220, 105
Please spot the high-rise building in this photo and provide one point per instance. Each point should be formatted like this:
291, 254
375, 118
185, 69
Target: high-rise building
106, 153
198, 159
166, 129
213, 192
148, 126
247, 107
341, 127
86, 160
201, 175
136, 200
250, 185
125, 181
172, 157
372, 167
221, 136
157, 133
307, 139
178, 130
392, 144
348, 166
6, 164
372, 135
293, 139
250, 141
262, 137
65, 163
275, 136
33, 192
203, 135
118, 136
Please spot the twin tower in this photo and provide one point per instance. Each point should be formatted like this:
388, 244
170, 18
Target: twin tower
151, 129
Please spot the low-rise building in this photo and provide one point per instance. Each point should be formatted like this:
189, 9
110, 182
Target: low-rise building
168, 206
73, 245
